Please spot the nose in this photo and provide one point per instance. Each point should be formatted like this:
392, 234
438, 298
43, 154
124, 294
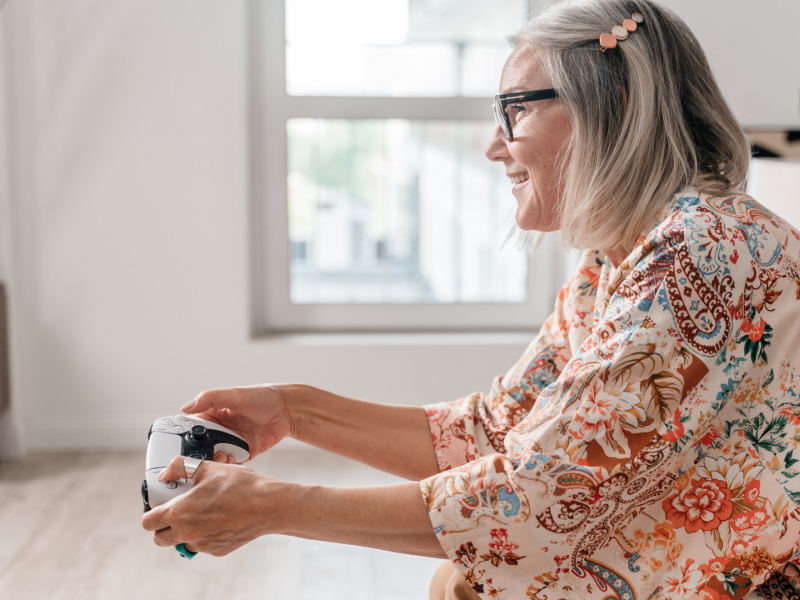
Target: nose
497, 150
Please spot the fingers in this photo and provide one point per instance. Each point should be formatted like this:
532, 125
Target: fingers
159, 518
155, 519
223, 458
168, 537
176, 470
165, 537
213, 399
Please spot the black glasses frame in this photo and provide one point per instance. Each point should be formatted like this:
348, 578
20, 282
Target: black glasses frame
501, 101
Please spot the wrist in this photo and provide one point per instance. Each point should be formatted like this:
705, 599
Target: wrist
290, 396
285, 506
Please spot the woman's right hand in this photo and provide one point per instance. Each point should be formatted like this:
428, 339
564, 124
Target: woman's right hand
258, 413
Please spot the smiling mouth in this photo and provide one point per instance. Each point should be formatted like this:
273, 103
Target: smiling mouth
520, 178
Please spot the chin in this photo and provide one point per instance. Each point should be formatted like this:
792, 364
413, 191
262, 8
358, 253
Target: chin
528, 219
531, 217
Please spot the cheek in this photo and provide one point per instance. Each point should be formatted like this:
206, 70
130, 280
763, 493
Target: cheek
526, 146
539, 164
536, 152
539, 142
528, 156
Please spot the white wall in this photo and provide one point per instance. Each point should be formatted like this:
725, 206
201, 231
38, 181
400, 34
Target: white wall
130, 288
131, 214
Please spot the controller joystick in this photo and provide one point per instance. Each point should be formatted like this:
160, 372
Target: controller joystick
199, 434
198, 444
184, 435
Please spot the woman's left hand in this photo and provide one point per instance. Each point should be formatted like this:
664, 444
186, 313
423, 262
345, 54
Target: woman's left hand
226, 508
230, 505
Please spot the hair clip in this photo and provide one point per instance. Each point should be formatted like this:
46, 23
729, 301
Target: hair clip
620, 32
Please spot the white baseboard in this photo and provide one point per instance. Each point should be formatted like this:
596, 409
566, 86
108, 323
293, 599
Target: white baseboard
104, 435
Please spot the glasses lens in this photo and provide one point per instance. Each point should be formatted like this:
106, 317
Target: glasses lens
500, 118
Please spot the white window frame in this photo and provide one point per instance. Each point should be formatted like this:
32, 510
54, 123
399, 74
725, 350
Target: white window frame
270, 109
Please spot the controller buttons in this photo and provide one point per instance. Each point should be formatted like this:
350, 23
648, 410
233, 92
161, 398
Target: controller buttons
189, 423
173, 485
177, 428
166, 422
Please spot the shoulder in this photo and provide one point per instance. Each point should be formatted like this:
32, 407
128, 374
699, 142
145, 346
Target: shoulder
717, 236
728, 238
713, 259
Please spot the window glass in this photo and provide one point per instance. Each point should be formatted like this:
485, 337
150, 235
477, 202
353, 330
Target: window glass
398, 211
398, 47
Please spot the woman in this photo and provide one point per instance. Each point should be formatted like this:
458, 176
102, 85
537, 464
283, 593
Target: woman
643, 445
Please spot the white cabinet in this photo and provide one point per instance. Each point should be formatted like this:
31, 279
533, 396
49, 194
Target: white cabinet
754, 51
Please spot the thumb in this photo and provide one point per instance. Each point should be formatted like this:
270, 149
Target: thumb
212, 399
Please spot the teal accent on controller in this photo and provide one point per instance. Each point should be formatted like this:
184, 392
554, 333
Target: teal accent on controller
181, 548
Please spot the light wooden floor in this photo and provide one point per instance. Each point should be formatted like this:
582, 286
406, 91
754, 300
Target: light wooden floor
70, 530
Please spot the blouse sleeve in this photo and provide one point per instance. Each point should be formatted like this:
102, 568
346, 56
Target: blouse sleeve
513, 520
659, 461
477, 425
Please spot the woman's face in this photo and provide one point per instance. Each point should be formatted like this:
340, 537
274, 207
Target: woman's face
540, 130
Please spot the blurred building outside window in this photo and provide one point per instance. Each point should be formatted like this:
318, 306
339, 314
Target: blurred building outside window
375, 206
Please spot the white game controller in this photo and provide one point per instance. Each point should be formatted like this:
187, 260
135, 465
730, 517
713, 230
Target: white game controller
184, 435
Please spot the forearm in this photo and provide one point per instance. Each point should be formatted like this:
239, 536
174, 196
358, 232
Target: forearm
390, 518
395, 439
231, 505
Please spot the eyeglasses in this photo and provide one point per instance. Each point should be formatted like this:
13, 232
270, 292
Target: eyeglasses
507, 119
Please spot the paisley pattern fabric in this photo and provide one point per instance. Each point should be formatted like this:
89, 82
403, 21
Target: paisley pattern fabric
643, 446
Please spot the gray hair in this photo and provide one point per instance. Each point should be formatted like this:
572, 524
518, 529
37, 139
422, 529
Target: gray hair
629, 152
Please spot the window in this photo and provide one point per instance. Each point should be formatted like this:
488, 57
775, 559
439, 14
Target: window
374, 205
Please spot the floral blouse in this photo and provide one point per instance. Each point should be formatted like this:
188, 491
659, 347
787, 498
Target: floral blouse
643, 446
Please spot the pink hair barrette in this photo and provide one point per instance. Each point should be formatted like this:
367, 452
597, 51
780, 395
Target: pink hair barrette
620, 32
